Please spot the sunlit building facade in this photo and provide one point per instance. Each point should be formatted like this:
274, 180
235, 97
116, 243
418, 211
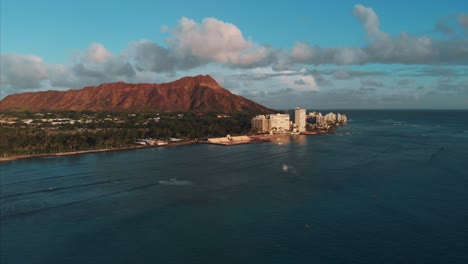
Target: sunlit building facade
277, 123
300, 119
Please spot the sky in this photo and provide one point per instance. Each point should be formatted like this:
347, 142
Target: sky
334, 54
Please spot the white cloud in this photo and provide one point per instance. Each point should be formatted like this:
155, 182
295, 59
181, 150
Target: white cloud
22, 71
370, 20
383, 48
96, 65
96, 52
214, 40
61, 76
303, 51
150, 56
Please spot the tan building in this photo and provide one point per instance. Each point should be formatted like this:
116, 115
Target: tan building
300, 119
260, 123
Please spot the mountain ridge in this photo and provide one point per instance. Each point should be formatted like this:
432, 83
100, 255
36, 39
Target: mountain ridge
200, 93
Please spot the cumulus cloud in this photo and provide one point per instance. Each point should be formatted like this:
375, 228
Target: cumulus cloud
96, 58
62, 76
22, 71
370, 20
93, 66
383, 48
210, 39
96, 52
119, 67
191, 44
404, 49
150, 56
216, 41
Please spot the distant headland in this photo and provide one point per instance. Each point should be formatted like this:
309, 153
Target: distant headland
118, 116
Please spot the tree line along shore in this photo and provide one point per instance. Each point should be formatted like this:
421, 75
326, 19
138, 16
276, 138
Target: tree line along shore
36, 134
28, 133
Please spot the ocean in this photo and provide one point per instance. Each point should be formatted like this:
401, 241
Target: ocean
390, 187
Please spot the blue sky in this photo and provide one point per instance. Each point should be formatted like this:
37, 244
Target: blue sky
314, 54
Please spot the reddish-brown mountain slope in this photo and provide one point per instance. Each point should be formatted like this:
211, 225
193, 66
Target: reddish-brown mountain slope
198, 94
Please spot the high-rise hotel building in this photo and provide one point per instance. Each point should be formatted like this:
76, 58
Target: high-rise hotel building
300, 119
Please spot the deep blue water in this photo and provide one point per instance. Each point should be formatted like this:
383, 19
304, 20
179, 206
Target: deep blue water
390, 187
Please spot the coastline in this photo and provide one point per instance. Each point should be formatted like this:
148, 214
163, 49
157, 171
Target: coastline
61, 154
254, 140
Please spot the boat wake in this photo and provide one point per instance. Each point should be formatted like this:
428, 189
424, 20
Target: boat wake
175, 182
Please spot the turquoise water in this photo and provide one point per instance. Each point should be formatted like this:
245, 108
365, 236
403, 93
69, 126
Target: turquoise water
390, 187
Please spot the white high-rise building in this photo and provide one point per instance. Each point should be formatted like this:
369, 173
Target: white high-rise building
300, 119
